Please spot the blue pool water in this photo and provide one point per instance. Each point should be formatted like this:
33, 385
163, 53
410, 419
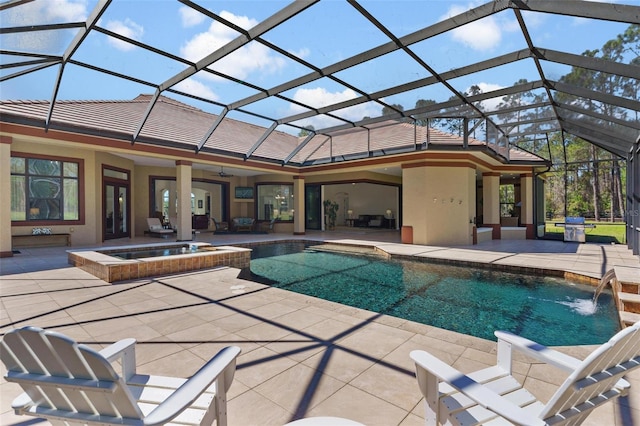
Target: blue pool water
472, 301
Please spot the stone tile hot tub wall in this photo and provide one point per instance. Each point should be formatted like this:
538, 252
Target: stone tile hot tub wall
111, 269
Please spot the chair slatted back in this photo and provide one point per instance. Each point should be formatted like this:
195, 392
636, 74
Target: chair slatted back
60, 374
599, 373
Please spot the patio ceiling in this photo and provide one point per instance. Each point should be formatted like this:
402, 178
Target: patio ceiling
370, 45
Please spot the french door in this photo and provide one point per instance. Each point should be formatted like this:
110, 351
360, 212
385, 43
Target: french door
116, 211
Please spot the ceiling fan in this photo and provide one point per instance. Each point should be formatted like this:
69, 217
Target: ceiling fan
222, 173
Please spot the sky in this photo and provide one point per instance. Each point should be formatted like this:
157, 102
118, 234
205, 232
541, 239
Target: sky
323, 34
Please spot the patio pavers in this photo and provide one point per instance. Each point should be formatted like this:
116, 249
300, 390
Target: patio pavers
300, 356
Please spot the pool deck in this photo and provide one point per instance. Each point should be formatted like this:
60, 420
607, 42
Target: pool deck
301, 356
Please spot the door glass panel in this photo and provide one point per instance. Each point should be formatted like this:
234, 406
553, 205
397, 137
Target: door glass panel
110, 208
312, 207
122, 203
115, 174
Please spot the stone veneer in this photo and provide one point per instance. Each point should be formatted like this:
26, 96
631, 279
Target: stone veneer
111, 269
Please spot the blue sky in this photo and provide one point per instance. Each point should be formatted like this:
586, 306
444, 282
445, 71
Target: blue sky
323, 34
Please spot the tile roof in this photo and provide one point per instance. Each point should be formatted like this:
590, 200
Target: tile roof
173, 122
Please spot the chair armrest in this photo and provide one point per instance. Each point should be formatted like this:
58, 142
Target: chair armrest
507, 342
125, 350
479, 393
224, 363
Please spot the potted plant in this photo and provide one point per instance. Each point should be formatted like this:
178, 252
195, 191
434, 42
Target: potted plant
330, 213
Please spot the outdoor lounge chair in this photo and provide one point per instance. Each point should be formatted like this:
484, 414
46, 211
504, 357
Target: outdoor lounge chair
220, 226
494, 394
268, 226
156, 229
69, 382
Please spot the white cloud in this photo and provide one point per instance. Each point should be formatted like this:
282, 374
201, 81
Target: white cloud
196, 88
320, 97
63, 10
129, 29
483, 34
43, 12
302, 53
487, 87
190, 17
241, 63
489, 104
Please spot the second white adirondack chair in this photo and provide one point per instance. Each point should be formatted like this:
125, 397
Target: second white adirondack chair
70, 383
493, 394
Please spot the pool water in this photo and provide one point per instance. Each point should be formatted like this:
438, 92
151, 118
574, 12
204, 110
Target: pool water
155, 252
475, 302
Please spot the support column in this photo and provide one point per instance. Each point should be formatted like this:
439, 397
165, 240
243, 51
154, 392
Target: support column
5, 188
491, 202
183, 184
439, 200
526, 204
298, 203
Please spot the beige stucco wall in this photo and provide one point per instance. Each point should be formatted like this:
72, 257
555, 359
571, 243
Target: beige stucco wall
491, 198
87, 233
5, 188
526, 198
439, 203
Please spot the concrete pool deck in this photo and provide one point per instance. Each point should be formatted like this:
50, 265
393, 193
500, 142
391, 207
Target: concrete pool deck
301, 356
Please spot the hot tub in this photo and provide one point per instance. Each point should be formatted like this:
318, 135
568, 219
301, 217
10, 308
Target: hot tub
132, 262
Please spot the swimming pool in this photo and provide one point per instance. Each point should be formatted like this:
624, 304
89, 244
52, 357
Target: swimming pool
472, 301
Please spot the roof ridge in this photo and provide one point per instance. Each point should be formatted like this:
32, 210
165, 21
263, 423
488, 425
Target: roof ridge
142, 98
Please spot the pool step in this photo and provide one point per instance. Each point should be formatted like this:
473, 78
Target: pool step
630, 302
629, 287
629, 318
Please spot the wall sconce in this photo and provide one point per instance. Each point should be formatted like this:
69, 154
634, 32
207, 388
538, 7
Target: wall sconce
435, 200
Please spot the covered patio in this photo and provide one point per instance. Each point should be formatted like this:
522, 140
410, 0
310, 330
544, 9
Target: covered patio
301, 356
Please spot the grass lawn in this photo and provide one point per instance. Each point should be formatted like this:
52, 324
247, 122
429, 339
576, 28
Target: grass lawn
604, 232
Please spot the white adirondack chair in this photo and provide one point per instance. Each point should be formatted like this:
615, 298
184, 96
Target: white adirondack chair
494, 395
70, 383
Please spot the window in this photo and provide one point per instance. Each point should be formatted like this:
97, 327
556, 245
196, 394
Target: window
45, 189
507, 200
275, 201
